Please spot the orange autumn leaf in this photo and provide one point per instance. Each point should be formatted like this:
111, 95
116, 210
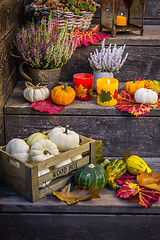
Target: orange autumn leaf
81, 91
78, 194
149, 180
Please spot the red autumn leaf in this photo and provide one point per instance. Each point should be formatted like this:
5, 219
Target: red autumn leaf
128, 190
89, 37
126, 102
125, 177
147, 197
47, 106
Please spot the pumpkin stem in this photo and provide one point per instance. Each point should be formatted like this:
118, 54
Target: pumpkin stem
46, 152
31, 85
91, 165
135, 76
66, 129
65, 87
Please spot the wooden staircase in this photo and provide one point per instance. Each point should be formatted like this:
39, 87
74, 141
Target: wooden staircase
107, 217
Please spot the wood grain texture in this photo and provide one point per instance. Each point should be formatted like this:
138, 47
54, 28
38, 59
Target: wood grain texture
11, 12
137, 62
90, 226
116, 132
11, 16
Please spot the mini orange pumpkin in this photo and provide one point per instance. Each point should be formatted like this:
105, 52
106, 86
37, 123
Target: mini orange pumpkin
63, 95
131, 87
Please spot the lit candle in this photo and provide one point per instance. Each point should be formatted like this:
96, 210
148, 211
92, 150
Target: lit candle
83, 86
107, 91
121, 20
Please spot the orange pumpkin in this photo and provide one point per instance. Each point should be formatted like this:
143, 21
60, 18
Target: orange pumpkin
63, 95
131, 87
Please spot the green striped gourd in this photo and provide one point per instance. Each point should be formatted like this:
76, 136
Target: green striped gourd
136, 165
91, 174
115, 169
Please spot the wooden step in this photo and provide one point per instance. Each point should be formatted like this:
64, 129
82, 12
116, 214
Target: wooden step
107, 217
143, 58
118, 131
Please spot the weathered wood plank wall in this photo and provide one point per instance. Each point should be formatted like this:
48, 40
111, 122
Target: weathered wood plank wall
11, 16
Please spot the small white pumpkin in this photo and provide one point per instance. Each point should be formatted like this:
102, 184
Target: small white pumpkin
19, 149
61, 164
144, 95
35, 137
34, 93
64, 138
43, 149
43, 172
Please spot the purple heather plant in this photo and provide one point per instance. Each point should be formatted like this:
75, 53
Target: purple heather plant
45, 45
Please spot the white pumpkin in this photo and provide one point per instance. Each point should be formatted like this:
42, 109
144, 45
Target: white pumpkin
144, 95
64, 138
35, 137
43, 172
19, 149
34, 93
43, 149
63, 163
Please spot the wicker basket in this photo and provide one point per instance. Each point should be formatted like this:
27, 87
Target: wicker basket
82, 22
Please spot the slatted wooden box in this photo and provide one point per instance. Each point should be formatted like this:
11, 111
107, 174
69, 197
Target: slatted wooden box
24, 178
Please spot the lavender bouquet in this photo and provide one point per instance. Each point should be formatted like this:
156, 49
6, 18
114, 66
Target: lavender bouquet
45, 45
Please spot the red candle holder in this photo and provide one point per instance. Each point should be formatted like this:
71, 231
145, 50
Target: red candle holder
83, 86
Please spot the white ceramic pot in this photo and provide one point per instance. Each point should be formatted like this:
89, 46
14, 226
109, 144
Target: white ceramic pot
98, 75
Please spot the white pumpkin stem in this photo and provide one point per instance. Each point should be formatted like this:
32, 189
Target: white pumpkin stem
91, 165
66, 129
31, 85
46, 152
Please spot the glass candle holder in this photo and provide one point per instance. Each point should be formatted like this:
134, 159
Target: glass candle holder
107, 91
83, 86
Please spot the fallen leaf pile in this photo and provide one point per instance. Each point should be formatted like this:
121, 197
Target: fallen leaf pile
78, 194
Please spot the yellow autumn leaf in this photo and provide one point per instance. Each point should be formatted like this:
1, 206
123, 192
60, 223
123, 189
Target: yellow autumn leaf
81, 91
153, 85
149, 180
78, 194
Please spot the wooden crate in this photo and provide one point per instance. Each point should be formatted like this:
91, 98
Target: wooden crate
24, 178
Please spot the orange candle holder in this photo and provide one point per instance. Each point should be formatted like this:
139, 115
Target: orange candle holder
107, 91
83, 86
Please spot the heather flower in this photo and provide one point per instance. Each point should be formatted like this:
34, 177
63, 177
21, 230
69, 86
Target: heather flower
45, 45
107, 59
